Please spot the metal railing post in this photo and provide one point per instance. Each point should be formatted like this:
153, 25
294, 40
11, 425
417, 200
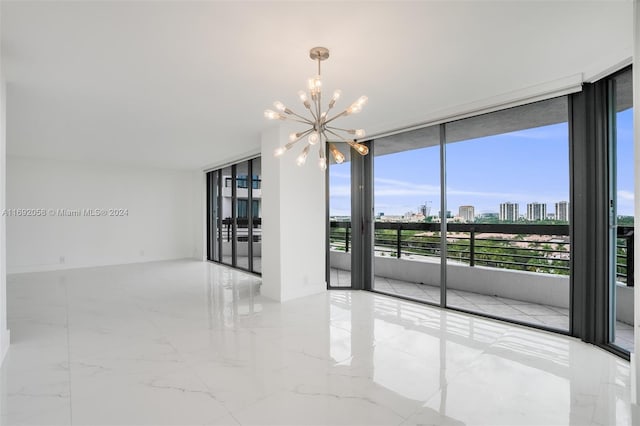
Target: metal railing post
399, 242
346, 238
472, 247
630, 259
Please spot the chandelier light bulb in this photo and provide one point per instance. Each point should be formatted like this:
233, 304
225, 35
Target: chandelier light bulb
302, 158
362, 101
361, 149
322, 160
314, 85
272, 115
313, 138
304, 98
337, 155
279, 106
293, 136
322, 163
279, 151
336, 96
359, 133
354, 109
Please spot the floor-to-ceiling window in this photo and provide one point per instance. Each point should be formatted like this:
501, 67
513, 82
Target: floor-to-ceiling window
214, 230
522, 214
508, 227
234, 224
227, 214
243, 210
340, 217
622, 214
256, 213
406, 183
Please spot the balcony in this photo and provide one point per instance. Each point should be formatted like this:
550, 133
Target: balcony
515, 271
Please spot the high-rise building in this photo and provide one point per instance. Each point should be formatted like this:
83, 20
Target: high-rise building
509, 212
562, 211
467, 213
536, 211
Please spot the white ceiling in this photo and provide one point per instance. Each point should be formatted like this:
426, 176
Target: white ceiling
184, 84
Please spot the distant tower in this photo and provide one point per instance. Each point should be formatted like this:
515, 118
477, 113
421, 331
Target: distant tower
509, 212
536, 211
467, 213
562, 211
425, 209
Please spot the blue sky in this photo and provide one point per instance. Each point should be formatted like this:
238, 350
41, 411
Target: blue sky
522, 167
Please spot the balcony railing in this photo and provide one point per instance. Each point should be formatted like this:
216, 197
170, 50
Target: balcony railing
242, 225
525, 247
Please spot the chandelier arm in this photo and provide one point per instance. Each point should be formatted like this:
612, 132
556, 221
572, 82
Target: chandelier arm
329, 107
301, 117
299, 138
300, 121
326, 138
311, 110
313, 114
338, 136
316, 105
335, 116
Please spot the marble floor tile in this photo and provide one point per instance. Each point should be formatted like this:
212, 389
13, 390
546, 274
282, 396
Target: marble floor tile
187, 342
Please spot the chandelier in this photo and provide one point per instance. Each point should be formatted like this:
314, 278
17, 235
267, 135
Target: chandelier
319, 131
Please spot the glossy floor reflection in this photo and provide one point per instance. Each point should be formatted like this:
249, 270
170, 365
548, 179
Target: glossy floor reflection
194, 343
530, 313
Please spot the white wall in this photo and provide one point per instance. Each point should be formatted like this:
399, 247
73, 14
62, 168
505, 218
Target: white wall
4, 333
293, 221
159, 224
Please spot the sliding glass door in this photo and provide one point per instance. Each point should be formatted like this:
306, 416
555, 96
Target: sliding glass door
508, 246
621, 189
407, 241
256, 213
234, 224
524, 214
340, 247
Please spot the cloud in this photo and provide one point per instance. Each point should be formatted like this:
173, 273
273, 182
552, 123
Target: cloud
397, 196
625, 195
340, 191
339, 175
397, 188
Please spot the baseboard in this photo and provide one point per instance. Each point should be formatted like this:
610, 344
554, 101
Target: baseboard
56, 267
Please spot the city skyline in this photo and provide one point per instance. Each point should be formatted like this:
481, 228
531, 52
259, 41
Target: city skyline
522, 166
